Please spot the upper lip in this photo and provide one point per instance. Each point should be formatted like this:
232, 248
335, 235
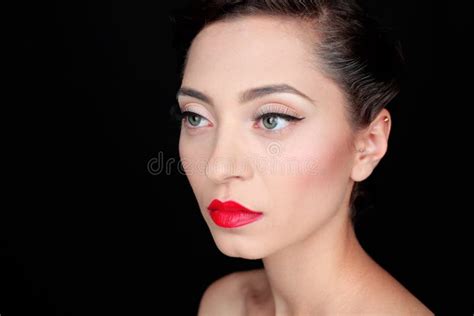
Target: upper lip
228, 206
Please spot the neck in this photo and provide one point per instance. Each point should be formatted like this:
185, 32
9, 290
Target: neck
318, 275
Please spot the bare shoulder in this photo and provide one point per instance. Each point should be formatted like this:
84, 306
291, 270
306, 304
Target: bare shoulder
388, 296
406, 302
229, 295
222, 297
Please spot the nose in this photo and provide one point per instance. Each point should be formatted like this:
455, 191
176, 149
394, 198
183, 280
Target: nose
228, 159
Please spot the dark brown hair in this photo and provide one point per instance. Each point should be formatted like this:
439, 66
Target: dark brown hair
354, 50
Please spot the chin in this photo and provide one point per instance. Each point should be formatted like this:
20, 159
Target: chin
238, 247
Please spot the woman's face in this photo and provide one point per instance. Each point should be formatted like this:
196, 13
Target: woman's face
297, 173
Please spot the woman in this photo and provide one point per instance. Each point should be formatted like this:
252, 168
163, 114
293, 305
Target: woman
283, 113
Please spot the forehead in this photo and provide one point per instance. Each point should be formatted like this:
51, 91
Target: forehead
252, 51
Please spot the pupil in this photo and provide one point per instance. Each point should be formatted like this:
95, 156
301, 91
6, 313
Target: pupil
271, 120
194, 120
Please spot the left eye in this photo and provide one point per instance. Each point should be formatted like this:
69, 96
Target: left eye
276, 121
192, 120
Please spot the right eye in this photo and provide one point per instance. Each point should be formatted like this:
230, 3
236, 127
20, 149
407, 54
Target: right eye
192, 120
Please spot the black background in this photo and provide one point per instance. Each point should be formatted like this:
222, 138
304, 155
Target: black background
85, 229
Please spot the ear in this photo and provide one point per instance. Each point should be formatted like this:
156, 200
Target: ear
371, 145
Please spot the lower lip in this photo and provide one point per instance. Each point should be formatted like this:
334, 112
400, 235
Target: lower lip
231, 219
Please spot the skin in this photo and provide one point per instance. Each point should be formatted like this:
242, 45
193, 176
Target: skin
313, 263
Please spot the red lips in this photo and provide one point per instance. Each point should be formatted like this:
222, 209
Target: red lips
231, 214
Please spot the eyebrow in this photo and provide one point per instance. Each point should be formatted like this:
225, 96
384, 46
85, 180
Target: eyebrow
247, 95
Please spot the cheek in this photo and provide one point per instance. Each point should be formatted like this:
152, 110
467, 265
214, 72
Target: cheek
318, 184
326, 164
328, 158
193, 154
193, 157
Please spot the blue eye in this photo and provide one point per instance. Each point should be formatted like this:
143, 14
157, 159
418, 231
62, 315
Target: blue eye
272, 121
192, 119
276, 121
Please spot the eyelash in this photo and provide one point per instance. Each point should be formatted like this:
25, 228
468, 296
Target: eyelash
261, 115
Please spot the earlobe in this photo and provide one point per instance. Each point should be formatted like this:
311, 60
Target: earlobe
371, 145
